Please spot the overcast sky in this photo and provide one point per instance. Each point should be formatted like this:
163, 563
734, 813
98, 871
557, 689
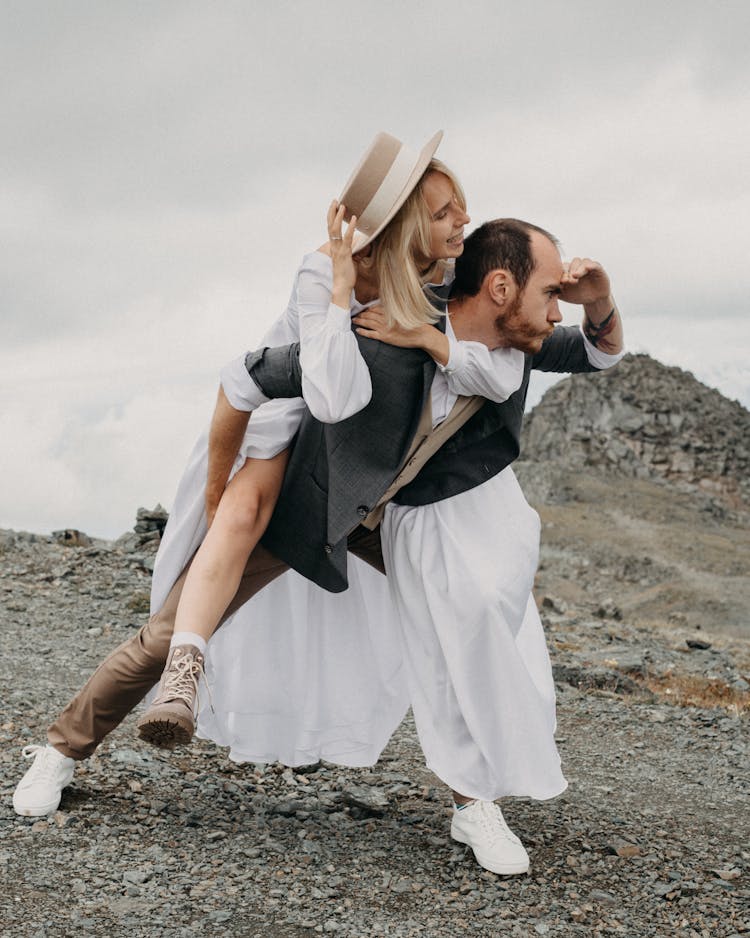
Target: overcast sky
165, 165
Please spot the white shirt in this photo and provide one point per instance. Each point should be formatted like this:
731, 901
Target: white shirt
335, 378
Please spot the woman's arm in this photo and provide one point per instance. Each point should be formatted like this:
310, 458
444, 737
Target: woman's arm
335, 378
469, 367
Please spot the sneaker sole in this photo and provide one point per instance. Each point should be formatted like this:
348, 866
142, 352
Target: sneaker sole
36, 810
165, 733
502, 869
40, 810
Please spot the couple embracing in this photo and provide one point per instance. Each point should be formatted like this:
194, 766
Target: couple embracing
373, 431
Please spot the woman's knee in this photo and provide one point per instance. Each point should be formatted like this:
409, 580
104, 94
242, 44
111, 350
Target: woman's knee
249, 503
239, 517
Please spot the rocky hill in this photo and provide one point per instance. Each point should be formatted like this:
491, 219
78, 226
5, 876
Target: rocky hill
646, 420
640, 475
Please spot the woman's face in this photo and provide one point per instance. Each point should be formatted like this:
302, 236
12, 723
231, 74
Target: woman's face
447, 217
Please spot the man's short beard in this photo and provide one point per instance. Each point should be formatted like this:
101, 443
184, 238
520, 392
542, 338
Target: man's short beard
505, 319
511, 330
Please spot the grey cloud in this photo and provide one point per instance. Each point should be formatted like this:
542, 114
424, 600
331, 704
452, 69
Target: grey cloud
141, 130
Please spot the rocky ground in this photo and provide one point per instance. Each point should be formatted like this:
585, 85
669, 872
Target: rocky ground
640, 478
651, 838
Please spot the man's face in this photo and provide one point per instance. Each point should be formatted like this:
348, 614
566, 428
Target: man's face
530, 316
447, 218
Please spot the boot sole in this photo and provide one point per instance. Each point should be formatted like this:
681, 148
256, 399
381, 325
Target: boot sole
164, 733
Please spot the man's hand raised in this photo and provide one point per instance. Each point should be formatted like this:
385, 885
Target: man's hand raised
584, 281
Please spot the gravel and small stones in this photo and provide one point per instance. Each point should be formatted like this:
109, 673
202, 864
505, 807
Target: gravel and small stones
649, 840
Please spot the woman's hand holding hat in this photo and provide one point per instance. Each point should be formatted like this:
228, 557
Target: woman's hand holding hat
340, 246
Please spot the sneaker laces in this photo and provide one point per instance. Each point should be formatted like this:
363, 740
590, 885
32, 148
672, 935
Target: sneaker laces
493, 823
45, 764
182, 682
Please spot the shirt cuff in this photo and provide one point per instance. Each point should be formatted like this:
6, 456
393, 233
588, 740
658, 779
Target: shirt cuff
240, 389
597, 357
456, 357
339, 318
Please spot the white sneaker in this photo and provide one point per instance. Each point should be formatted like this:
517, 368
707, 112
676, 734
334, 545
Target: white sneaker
482, 826
39, 791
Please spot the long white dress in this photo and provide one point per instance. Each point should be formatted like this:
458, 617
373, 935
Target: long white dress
299, 674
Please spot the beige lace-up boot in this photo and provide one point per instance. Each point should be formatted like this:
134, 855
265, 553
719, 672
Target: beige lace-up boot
170, 720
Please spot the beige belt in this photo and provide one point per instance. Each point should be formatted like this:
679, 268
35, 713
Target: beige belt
427, 441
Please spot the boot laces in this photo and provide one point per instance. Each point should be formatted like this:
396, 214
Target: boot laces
181, 682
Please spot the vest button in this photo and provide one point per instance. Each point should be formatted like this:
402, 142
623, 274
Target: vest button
328, 548
363, 511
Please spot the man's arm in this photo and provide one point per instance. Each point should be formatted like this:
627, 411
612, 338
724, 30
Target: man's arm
246, 383
276, 371
585, 282
225, 437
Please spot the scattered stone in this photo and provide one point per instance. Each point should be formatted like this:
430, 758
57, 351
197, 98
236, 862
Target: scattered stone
622, 848
606, 898
370, 800
140, 603
555, 605
631, 663
128, 542
129, 757
728, 874
402, 887
697, 644
70, 537
598, 678
150, 523
609, 610
666, 890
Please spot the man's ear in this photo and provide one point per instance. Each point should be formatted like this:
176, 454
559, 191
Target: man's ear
500, 287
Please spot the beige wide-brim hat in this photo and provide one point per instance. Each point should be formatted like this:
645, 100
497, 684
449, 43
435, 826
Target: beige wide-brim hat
384, 179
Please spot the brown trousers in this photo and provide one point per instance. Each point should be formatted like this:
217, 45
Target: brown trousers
122, 680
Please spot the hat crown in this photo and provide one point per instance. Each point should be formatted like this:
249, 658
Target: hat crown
382, 181
370, 172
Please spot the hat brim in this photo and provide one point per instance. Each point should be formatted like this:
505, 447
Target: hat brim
427, 152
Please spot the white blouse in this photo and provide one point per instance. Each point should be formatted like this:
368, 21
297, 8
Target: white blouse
335, 378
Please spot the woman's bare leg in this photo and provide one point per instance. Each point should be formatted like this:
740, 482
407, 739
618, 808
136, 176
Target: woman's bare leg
243, 514
240, 521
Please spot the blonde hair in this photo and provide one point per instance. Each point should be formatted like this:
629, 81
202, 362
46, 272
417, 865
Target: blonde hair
399, 255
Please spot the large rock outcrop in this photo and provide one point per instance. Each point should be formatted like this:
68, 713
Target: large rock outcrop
646, 420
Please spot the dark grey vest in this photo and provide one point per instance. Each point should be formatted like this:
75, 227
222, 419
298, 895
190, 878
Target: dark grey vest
338, 472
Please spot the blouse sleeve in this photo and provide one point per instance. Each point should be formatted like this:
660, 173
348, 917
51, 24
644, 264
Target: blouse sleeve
472, 368
240, 389
335, 378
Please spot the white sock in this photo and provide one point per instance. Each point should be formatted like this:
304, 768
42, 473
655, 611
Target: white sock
189, 638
